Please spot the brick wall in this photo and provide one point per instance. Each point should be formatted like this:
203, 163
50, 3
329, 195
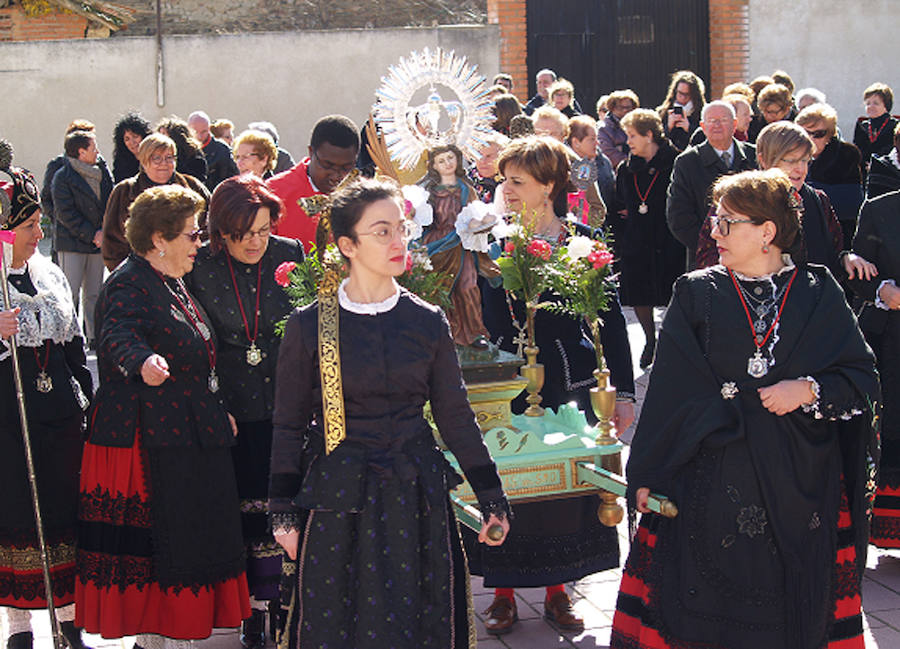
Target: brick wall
511, 16
16, 26
729, 44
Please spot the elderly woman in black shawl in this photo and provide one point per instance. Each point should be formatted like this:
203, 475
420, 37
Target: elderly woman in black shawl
758, 424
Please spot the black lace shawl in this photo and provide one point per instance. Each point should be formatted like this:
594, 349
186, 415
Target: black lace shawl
693, 444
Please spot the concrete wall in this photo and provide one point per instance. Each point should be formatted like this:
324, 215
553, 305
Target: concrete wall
288, 78
838, 47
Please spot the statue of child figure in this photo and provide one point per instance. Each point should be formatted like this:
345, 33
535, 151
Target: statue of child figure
449, 193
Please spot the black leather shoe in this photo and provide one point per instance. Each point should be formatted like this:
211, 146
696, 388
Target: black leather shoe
274, 613
72, 634
253, 630
24, 640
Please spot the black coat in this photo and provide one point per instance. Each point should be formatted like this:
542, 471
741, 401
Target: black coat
688, 199
78, 211
136, 317
884, 177
219, 163
248, 391
650, 257
125, 165
680, 138
878, 240
836, 171
883, 127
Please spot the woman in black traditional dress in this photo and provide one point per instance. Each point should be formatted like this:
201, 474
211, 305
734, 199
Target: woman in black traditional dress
233, 280
57, 386
878, 238
561, 540
651, 258
359, 494
160, 552
758, 425
874, 134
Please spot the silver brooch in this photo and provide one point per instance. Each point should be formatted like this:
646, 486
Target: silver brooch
729, 390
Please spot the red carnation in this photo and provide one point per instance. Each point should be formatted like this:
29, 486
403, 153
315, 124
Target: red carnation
282, 272
540, 248
509, 248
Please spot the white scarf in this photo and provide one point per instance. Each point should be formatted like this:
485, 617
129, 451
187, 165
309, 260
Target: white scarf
47, 315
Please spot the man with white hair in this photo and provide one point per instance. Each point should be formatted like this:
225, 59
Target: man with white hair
220, 164
697, 169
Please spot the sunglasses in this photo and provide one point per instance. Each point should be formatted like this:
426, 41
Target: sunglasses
818, 135
193, 235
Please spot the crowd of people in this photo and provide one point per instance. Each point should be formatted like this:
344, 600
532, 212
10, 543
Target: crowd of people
195, 487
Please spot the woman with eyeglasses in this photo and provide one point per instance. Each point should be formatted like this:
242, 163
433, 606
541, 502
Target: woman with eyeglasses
255, 153
360, 500
788, 147
233, 280
758, 423
835, 167
157, 158
160, 551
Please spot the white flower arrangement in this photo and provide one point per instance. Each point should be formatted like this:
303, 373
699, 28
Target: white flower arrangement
473, 224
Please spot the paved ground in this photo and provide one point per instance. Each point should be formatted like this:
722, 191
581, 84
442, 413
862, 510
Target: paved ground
595, 597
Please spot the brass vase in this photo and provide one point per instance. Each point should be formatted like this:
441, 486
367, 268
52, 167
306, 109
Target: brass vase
534, 372
603, 401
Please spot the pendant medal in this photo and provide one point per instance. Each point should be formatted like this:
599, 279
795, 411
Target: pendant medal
43, 383
254, 356
757, 367
643, 209
213, 382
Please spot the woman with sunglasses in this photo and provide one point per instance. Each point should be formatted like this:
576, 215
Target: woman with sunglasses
835, 167
758, 423
786, 146
360, 500
160, 551
234, 281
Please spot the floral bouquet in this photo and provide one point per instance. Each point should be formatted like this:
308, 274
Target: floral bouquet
524, 263
582, 277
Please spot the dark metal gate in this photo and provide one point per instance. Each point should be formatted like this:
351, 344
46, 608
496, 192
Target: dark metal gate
605, 45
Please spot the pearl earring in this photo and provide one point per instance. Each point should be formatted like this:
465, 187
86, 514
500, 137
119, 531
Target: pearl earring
162, 253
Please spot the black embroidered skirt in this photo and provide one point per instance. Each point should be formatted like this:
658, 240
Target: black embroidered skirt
56, 448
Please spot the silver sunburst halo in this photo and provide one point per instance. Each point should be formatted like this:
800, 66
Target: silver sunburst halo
410, 130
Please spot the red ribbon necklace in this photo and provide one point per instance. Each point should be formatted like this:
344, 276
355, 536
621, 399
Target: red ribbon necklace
874, 137
43, 382
757, 367
254, 356
201, 327
642, 208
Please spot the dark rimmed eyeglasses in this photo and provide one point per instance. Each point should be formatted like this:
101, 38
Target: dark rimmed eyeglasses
724, 223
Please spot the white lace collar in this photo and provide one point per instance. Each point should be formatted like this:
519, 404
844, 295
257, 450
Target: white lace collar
892, 156
366, 308
47, 315
788, 266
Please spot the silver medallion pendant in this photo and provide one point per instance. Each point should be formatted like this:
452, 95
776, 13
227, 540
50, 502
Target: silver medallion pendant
213, 382
43, 383
254, 356
643, 209
757, 367
204, 330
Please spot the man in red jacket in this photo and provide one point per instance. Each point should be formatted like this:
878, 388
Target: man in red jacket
333, 147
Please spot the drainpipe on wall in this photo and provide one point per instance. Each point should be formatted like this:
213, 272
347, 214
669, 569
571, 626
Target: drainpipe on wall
160, 76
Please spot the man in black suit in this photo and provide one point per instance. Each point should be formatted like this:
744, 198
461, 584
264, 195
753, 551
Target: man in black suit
697, 169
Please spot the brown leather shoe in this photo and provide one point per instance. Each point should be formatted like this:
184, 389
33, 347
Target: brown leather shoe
502, 614
558, 612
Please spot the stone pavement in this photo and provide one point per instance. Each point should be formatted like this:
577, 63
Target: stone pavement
594, 596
